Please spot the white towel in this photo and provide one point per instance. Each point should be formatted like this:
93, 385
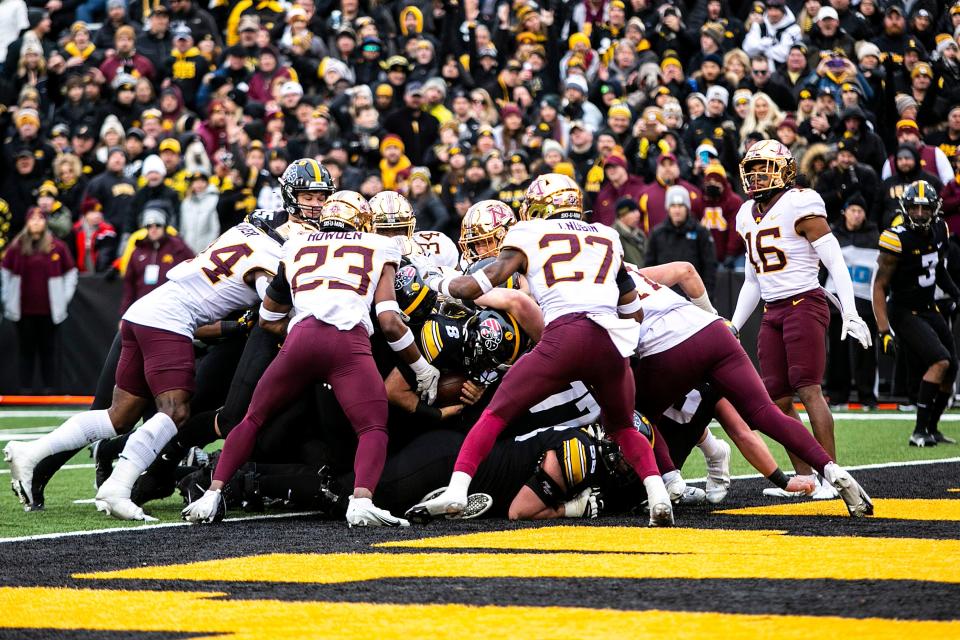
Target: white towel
624, 332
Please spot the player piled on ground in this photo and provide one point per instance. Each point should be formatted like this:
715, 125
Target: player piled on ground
912, 264
787, 237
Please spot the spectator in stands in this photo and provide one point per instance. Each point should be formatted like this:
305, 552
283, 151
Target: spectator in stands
152, 187
908, 168
39, 279
653, 202
632, 238
720, 207
931, 158
113, 190
125, 58
681, 238
93, 241
430, 213
858, 237
199, 223
59, 218
619, 184
20, 187
153, 256
847, 178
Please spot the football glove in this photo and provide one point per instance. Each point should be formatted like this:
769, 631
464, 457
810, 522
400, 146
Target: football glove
587, 504
207, 508
427, 378
856, 328
887, 343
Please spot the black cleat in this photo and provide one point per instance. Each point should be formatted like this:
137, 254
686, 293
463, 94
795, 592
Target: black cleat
152, 486
937, 435
920, 439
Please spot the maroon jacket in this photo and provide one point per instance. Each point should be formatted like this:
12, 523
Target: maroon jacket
153, 260
136, 65
720, 217
654, 197
605, 204
951, 205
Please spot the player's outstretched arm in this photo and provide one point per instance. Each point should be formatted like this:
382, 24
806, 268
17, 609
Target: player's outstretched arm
399, 336
886, 267
683, 274
519, 305
471, 287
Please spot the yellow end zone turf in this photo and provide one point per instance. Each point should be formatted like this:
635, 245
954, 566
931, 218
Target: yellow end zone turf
615, 552
207, 616
895, 508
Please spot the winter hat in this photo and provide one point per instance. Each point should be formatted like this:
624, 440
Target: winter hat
677, 195
153, 164
716, 92
551, 145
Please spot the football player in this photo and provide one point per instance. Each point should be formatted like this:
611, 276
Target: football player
911, 265
575, 272
439, 247
787, 237
330, 279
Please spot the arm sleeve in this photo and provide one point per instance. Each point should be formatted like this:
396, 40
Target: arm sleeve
831, 256
748, 298
279, 289
624, 282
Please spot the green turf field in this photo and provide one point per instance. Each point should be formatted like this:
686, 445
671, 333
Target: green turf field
861, 439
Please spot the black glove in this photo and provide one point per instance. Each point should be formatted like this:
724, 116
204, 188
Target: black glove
887, 343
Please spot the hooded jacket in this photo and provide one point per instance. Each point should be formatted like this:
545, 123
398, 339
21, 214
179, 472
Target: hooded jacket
720, 217
773, 40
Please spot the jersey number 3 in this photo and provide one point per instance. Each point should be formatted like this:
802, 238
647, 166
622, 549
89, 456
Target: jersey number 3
768, 258
550, 276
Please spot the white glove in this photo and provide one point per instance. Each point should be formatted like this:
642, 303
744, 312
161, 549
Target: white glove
427, 378
207, 508
424, 266
587, 504
854, 326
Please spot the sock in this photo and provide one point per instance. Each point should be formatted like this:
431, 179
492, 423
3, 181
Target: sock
197, 431
939, 406
75, 433
479, 442
142, 448
710, 445
656, 492
925, 399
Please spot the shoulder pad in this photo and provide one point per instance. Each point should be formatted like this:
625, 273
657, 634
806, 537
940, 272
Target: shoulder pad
268, 222
890, 240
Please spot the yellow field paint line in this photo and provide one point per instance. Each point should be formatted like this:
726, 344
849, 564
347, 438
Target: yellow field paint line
894, 508
954, 490
629, 553
205, 615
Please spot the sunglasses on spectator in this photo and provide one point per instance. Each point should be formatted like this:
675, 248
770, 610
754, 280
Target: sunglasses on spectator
760, 72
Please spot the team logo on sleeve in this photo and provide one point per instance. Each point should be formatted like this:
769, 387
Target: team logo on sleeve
491, 333
405, 276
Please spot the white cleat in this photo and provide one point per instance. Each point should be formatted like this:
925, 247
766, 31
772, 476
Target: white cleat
691, 496
718, 475
477, 503
363, 513
676, 486
21, 472
114, 500
824, 491
661, 514
661, 511
444, 505
857, 500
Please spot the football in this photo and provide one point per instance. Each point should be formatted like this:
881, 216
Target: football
448, 389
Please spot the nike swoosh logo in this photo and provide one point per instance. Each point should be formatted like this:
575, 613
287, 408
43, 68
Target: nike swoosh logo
796, 302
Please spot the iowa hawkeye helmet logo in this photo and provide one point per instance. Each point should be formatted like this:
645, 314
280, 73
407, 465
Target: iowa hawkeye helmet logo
491, 333
405, 275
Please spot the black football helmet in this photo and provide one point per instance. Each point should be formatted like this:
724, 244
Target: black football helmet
513, 282
919, 205
302, 175
415, 298
494, 340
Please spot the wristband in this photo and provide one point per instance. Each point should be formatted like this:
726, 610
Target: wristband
387, 305
704, 303
778, 478
405, 341
441, 284
420, 366
630, 307
427, 412
271, 316
482, 280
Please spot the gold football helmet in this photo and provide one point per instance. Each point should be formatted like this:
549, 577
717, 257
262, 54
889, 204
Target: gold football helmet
346, 210
391, 211
552, 195
766, 168
483, 229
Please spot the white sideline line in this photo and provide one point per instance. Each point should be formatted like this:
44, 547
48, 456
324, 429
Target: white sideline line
66, 466
149, 527
862, 467
38, 413
881, 415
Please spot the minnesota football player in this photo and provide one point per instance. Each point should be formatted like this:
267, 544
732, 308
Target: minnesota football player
787, 237
911, 265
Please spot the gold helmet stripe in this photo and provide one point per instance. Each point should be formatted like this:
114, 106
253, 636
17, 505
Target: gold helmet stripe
921, 188
416, 301
516, 335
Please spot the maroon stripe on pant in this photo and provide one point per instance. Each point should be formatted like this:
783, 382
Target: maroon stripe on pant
318, 352
714, 355
573, 347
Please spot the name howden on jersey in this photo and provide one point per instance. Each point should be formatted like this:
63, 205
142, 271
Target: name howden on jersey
335, 235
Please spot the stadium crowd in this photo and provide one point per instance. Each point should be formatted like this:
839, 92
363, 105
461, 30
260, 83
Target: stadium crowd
135, 133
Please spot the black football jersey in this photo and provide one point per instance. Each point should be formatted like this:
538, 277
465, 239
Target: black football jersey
914, 283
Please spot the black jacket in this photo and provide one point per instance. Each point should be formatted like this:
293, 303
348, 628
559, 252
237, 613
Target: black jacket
691, 242
836, 186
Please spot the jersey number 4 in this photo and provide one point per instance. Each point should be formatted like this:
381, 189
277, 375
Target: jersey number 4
768, 258
550, 275
224, 259
319, 253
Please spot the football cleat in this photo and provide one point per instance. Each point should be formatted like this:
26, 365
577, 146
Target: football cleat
676, 485
444, 505
777, 492
718, 475
824, 491
661, 511
102, 462
691, 496
942, 439
21, 472
114, 500
477, 503
363, 513
857, 500
209, 507
153, 485
920, 439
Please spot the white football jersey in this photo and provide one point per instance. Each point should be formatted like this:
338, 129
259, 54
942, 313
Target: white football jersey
786, 263
211, 285
439, 246
333, 275
571, 265
668, 317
